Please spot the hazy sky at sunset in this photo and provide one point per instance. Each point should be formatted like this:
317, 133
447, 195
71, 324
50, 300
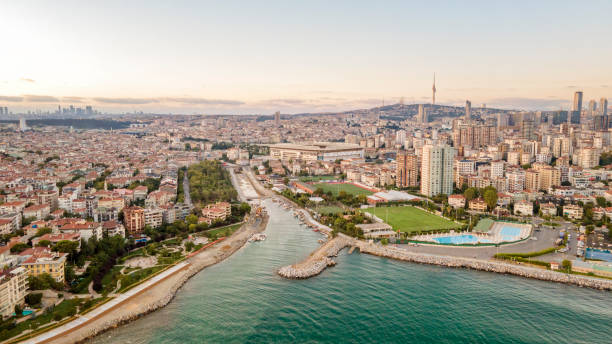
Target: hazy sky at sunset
263, 56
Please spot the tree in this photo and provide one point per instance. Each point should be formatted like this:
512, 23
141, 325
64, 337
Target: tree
470, 194
18, 311
191, 219
66, 246
490, 197
601, 201
566, 265
44, 281
19, 247
44, 243
33, 299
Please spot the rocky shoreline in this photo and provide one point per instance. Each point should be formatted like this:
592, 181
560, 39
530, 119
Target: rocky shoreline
484, 265
320, 259
168, 294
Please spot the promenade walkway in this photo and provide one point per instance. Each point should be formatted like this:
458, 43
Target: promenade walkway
110, 305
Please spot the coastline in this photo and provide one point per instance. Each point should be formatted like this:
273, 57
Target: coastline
320, 259
157, 295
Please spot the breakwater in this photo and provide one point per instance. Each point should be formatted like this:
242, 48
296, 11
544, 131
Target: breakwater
485, 265
318, 260
321, 258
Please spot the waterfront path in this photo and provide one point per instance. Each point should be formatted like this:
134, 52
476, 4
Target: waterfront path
153, 294
107, 307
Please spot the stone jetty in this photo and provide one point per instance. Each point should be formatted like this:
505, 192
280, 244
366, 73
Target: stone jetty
485, 265
322, 258
318, 260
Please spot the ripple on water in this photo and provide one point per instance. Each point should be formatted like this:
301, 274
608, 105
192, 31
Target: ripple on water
364, 299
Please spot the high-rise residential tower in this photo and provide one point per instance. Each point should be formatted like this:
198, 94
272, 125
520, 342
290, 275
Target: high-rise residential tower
437, 170
277, 118
468, 109
603, 106
406, 170
592, 109
577, 101
422, 114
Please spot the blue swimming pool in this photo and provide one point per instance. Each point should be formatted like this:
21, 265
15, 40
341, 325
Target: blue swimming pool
593, 253
25, 312
461, 239
510, 233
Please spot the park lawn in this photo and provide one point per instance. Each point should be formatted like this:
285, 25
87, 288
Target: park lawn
348, 188
317, 178
328, 209
410, 219
226, 230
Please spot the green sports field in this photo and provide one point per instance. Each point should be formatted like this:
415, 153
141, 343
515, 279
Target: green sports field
410, 219
348, 188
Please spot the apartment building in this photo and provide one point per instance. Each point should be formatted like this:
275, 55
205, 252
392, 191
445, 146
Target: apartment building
13, 289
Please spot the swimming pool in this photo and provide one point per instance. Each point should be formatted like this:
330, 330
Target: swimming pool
25, 312
461, 239
510, 233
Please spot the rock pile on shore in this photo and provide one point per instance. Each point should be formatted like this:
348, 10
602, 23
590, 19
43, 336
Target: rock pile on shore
318, 260
483, 265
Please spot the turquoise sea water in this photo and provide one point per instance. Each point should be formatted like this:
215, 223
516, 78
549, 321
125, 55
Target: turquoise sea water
365, 299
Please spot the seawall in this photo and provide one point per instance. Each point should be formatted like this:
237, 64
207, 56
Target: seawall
485, 265
159, 294
318, 260
321, 259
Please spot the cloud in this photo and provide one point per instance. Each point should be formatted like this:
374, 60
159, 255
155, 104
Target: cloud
39, 99
27, 80
204, 101
126, 101
11, 98
549, 103
73, 99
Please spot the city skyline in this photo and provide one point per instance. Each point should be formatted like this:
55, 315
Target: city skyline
316, 57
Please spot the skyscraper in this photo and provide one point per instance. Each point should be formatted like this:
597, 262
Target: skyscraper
406, 170
592, 109
437, 170
527, 127
603, 106
277, 118
468, 110
577, 102
22, 124
422, 114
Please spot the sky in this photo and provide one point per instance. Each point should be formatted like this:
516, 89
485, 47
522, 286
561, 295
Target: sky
242, 57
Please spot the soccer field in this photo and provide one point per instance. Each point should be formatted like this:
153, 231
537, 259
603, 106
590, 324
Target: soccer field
348, 188
410, 219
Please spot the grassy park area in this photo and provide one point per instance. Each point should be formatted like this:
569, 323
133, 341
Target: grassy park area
318, 178
348, 188
410, 219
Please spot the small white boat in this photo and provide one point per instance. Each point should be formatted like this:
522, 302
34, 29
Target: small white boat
257, 237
